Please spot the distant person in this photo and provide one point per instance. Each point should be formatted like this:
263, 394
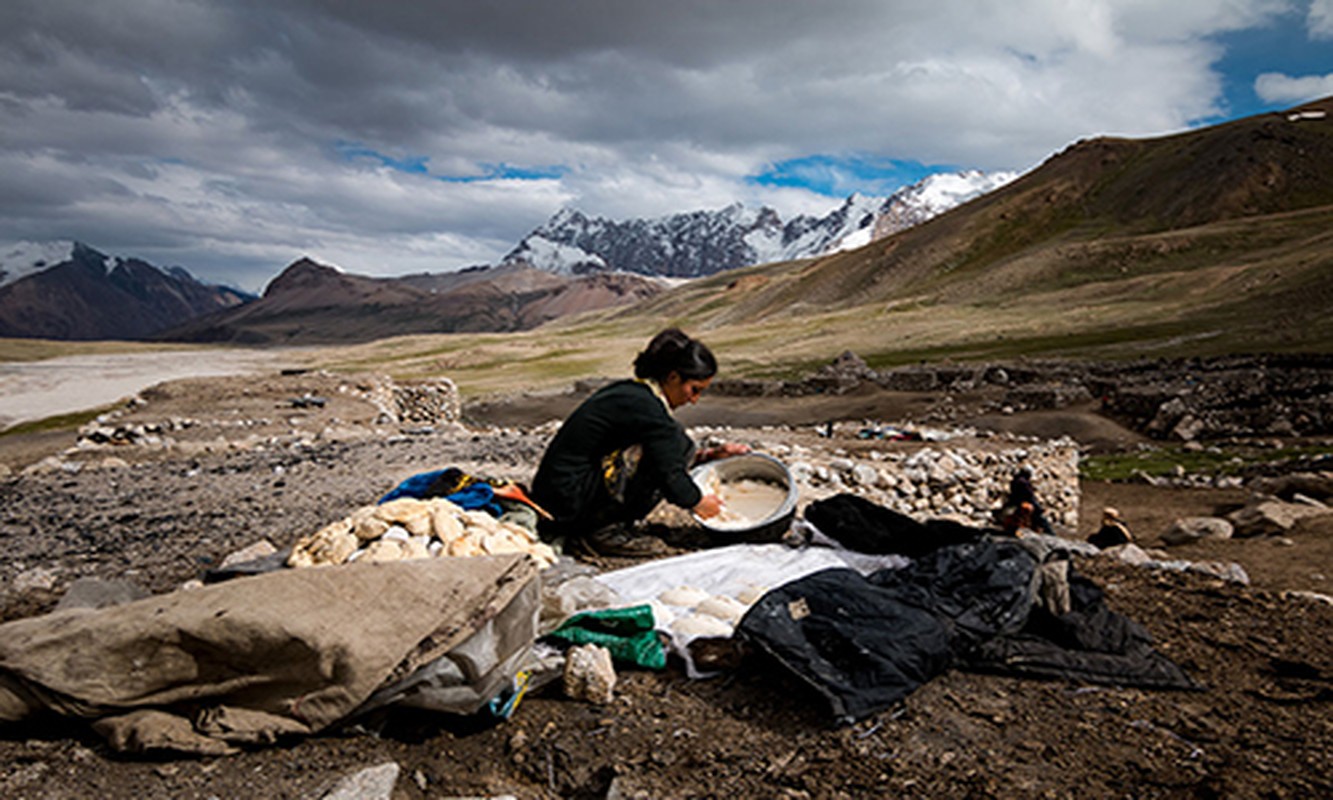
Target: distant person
622, 451
1113, 532
1021, 508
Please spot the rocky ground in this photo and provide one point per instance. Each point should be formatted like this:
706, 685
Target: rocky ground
219, 464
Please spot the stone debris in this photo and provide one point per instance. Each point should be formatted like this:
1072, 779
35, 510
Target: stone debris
1184, 400
1313, 485
1137, 556
429, 402
428, 406
51, 464
407, 528
371, 783
259, 549
946, 473
41, 578
1300, 594
960, 482
589, 674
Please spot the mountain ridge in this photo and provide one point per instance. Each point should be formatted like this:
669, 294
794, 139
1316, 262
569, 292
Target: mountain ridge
695, 243
314, 303
688, 244
1222, 237
1219, 236
87, 295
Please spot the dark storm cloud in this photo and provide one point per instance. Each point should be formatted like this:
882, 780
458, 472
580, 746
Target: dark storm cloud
394, 136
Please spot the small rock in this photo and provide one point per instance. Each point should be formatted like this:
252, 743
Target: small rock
36, 578
259, 549
1300, 594
1306, 500
1192, 529
865, 475
99, 593
1130, 554
589, 674
45, 466
371, 783
1226, 570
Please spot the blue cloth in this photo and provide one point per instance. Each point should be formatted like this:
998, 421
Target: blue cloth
477, 496
414, 486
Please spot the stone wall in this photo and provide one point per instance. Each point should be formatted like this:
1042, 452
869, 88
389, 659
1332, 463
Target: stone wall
961, 478
1175, 399
430, 402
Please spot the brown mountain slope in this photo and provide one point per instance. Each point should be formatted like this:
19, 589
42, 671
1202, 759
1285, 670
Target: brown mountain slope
1220, 235
82, 298
310, 303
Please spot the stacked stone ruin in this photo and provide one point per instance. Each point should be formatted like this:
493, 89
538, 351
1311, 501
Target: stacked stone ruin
959, 478
430, 402
1170, 399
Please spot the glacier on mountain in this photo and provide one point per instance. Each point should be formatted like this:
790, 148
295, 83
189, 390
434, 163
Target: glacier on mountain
698, 243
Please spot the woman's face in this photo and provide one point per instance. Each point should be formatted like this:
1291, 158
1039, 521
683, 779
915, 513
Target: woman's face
683, 391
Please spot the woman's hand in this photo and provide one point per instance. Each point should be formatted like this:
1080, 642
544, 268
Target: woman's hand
708, 507
721, 451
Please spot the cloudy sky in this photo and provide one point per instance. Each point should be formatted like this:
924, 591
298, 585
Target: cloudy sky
389, 137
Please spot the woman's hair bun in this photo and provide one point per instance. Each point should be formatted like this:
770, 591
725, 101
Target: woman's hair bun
673, 350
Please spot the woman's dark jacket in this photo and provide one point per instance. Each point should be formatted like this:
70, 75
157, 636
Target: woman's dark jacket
615, 417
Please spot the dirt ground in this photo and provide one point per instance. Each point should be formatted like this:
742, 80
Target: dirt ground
1261, 727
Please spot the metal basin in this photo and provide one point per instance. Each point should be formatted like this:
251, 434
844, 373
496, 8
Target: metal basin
756, 467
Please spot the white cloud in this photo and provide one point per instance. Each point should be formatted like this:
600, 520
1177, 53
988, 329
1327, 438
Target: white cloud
1319, 22
1274, 87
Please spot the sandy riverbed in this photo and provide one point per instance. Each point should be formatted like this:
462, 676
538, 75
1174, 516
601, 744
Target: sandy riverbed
36, 389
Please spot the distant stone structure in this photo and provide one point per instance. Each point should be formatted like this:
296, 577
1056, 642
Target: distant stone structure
1171, 399
959, 476
430, 402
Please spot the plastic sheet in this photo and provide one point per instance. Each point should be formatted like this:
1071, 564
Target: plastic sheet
742, 572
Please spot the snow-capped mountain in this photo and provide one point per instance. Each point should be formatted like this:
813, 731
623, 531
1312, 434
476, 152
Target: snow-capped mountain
67, 290
705, 242
932, 197
19, 260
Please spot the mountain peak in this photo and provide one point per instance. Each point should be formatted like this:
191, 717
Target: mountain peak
18, 260
696, 243
302, 275
69, 290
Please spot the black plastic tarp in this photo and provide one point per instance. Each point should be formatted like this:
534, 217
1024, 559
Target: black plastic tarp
867, 527
865, 643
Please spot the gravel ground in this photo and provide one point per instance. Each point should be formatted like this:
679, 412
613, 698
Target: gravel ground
161, 516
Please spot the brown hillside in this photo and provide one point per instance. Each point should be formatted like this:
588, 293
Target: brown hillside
1219, 235
310, 303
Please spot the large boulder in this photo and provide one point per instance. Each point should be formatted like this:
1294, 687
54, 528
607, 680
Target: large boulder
1271, 517
1192, 529
1318, 485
